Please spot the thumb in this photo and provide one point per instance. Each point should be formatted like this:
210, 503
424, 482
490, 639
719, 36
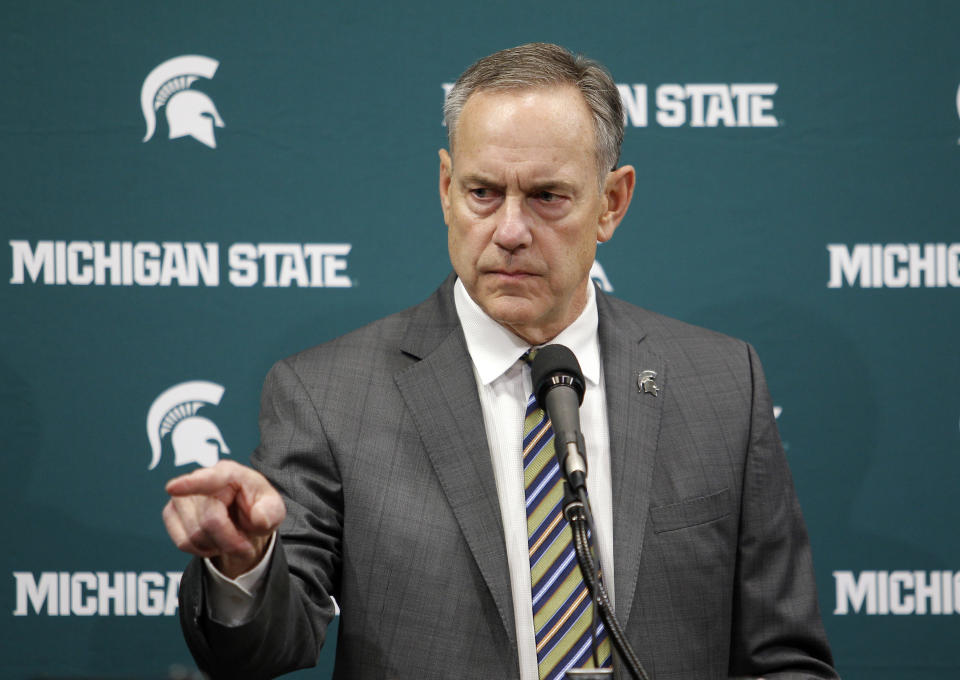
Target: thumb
264, 512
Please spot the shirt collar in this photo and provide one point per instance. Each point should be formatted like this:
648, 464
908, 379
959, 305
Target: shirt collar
494, 349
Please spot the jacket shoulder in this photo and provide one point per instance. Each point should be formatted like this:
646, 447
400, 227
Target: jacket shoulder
386, 345
665, 330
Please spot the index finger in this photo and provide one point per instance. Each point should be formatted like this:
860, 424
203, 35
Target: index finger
210, 481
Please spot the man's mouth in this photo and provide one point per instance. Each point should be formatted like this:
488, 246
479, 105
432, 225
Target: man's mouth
509, 272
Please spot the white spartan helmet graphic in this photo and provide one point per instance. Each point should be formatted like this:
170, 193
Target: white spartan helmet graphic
189, 112
195, 439
600, 276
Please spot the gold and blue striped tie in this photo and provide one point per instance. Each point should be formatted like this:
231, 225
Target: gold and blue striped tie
562, 608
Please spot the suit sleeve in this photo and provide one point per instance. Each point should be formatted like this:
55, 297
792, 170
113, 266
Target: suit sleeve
777, 630
289, 625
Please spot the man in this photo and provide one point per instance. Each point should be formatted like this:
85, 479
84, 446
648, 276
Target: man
393, 453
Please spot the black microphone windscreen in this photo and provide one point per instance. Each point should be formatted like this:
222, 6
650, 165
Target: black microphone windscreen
553, 361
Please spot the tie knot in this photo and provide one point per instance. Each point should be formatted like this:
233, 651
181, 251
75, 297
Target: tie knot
529, 356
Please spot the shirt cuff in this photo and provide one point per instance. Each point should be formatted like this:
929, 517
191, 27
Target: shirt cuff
232, 601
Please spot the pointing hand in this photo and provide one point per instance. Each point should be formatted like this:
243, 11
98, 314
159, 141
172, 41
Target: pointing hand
227, 512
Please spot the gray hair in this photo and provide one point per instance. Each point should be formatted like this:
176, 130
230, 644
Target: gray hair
541, 65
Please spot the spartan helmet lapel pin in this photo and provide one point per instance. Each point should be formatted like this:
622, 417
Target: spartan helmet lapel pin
647, 382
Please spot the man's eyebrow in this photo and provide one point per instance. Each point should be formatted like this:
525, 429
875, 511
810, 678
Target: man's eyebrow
483, 180
552, 186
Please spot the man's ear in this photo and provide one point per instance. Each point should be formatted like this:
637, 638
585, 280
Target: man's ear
617, 193
446, 176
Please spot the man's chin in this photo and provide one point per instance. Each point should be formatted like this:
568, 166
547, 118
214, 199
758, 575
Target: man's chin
510, 310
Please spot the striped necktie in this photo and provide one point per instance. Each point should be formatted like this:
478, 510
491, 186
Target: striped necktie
562, 608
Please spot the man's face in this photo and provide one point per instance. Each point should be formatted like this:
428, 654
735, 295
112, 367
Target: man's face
524, 208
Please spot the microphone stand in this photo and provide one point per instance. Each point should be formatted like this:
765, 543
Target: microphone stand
577, 511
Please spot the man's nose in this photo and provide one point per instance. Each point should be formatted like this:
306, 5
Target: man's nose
513, 226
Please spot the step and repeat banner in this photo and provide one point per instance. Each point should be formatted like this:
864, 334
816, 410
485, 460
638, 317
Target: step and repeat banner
191, 191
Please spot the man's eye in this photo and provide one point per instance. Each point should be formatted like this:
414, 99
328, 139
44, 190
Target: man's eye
481, 192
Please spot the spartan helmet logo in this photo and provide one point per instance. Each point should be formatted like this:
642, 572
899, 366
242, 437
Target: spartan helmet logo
189, 112
195, 439
600, 276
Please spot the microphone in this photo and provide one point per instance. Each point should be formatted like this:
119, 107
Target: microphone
558, 385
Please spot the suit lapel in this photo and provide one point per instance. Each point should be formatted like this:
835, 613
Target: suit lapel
634, 422
441, 393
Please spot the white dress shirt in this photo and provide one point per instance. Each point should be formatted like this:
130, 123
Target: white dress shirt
504, 385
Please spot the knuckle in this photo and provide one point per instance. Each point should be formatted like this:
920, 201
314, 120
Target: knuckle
197, 539
178, 503
214, 524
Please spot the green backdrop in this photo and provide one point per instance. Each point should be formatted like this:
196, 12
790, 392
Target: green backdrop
798, 172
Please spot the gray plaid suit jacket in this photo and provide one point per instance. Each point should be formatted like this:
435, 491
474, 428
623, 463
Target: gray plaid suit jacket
377, 443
